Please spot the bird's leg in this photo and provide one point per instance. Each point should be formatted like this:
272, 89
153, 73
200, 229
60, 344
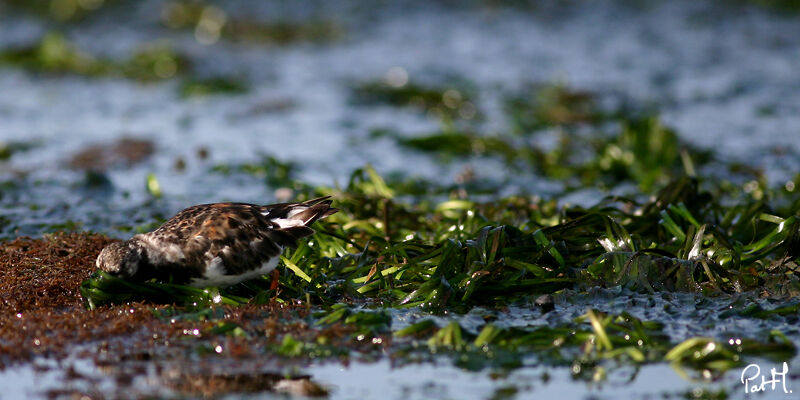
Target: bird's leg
276, 274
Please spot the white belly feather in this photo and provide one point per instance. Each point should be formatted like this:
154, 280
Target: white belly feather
215, 275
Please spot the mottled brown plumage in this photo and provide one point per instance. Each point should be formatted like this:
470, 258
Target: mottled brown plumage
215, 244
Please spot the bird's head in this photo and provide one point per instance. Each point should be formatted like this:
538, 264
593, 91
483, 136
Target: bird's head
120, 258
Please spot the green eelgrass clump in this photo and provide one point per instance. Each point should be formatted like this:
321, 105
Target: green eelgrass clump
459, 252
102, 288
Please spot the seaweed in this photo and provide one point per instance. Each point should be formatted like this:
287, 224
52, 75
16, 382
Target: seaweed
211, 23
54, 54
212, 86
453, 102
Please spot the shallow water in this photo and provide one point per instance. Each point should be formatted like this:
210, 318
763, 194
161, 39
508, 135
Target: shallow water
381, 380
723, 76
443, 381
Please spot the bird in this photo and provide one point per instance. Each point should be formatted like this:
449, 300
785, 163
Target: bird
217, 244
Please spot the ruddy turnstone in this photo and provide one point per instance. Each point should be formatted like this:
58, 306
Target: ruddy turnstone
215, 244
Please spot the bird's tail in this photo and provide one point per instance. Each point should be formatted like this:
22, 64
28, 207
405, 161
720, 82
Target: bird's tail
293, 220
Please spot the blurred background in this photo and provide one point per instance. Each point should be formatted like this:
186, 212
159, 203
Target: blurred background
117, 113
